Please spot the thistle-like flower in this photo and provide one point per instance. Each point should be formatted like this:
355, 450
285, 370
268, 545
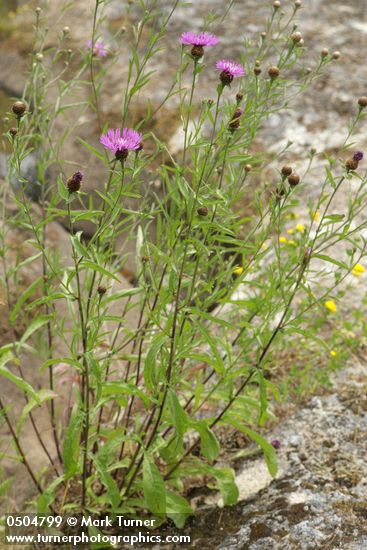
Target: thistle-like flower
198, 41
74, 182
99, 49
229, 69
121, 142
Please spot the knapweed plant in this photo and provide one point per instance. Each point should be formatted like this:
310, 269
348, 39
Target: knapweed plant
154, 368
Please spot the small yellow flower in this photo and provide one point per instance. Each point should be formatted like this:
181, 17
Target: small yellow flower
331, 305
292, 242
290, 231
238, 271
316, 216
333, 353
283, 240
357, 270
300, 227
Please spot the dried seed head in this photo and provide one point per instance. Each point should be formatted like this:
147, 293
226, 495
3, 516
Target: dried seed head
66, 30
248, 168
197, 52
297, 4
351, 164
203, 211
286, 170
336, 55
296, 37
308, 70
257, 71
101, 290
38, 10
293, 179
273, 71
19, 108
74, 182
264, 34
324, 53
239, 98
313, 151
362, 102
13, 132
276, 4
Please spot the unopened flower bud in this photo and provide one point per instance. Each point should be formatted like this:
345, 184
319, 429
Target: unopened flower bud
362, 102
297, 4
101, 290
74, 182
66, 30
197, 52
336, 55
13, 132
286, 170
293, 179
19, 108
235, 120
308, 70
39, 57
38, 10
358, 156
144, 259
324, 53
296, 37
264, 35
351, 164
276, 4
239, 98
273, 72
248, 168
257, 71
203, 211
307, 256
275, 443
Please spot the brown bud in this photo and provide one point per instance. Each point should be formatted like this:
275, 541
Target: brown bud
74, 182
324, 52
13, 132
226, 78
296, 37
19, 108
239, 97
197, 52
101, 290
298, 4
336, 55
236, 119
257, 71
351, 164
248, 168
203, 211
144, 259
308, 70
362, 102
273, 71
264, 34
276, 4
286, 170
293, 179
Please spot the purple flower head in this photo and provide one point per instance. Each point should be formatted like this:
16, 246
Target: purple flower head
99, 49
276, 443
229, 69
202, 39
358, 156
121, 142
74, 182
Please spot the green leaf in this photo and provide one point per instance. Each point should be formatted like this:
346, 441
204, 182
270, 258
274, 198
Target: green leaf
23, 298
227, 485
153, 487
36, 324
42, 396
19, 382
110, 484
152, 364
209, 444
177, 413
71, 444
268, 450
178, 509
95, 267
